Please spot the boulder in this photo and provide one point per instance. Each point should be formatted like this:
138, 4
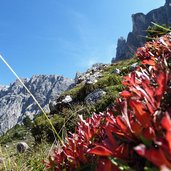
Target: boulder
91, 75
78, 78
67, 99
52, 106
93, 97
61, 102
22, 147
116, 71
97, 74
96, 67
91, 80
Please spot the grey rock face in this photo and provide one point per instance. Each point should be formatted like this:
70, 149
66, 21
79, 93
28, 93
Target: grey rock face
121, 48
168, 2
2, 87
91, 80
61, 102
15, 102
91, 75
93, 97
52, 106
78, 78
136, 38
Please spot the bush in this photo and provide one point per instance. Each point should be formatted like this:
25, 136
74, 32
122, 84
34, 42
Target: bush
27, 122
84, 91
41, 129
18, 132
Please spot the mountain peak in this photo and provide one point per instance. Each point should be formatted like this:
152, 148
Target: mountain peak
168, 2
136, 38
15, 102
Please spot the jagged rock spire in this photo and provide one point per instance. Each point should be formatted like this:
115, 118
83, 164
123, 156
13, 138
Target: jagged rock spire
168, 2
141, 22
15, 103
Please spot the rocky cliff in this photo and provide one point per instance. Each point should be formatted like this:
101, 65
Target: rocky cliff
136, 38
16, 103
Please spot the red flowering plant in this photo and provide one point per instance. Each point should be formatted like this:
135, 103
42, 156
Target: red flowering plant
136, 129
73, 154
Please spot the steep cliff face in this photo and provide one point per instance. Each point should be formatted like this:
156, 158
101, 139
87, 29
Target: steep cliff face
136, 38
15, 102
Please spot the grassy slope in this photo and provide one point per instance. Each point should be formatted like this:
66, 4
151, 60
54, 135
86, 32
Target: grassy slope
32, 160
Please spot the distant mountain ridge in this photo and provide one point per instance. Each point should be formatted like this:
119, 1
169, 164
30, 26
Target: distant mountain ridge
126, 48
16, 103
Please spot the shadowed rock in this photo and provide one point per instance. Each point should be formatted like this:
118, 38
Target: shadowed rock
22, 147
127, 47
95, 96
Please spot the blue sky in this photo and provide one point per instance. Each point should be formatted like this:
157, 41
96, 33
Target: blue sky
63, 36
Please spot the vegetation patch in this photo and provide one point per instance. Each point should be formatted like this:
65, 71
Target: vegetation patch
131, 133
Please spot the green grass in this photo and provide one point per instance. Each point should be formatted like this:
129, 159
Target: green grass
32, 160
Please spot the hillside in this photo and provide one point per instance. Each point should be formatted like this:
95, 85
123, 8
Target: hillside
112, 117
131, 120
65, 116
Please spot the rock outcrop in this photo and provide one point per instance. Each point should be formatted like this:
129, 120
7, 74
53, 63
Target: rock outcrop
16, 103
91, 75
22, 147
95, 96
60, 103
136, 38
86, 79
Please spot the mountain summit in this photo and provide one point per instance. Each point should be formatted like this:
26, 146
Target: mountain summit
16, 103
126, 48
168, 2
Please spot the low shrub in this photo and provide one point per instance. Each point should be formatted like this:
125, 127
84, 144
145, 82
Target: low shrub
108, 80
18, 132
27, 122
41, 129
84, 91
